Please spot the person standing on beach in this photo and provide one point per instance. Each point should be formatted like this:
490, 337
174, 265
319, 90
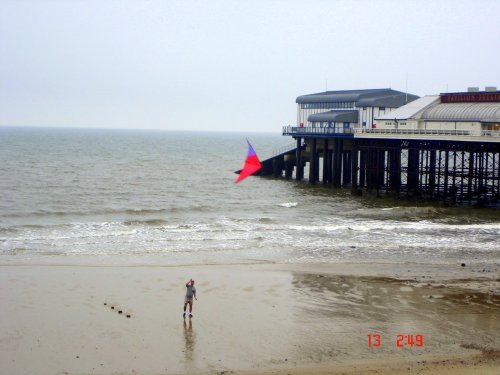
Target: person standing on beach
190, 294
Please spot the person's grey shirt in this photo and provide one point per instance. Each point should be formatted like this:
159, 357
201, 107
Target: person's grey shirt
191, 290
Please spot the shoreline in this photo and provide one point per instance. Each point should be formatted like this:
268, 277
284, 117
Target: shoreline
250, 319
479, 277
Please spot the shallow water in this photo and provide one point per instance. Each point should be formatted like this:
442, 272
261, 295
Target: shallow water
152, 195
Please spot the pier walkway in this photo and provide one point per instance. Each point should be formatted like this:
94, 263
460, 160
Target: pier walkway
431, 134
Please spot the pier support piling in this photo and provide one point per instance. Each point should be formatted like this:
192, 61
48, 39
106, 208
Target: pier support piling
337, 163
326, 163
313, 162
299, 164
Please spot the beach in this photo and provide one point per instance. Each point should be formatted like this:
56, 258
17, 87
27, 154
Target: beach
327, 172
64, 318
291, 278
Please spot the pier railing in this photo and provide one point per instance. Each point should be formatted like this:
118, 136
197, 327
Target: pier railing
284, 149
467, 133
309, 130
349, 132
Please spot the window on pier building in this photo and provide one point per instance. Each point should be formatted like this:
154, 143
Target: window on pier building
492, 127
331, 105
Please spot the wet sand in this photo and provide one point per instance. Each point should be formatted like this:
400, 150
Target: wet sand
249, 319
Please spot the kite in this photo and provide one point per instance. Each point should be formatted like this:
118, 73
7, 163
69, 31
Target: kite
252, 164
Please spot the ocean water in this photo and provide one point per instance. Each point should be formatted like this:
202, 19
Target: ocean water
149, 197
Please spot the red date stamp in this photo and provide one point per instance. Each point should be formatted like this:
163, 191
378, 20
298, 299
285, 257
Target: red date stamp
375, 340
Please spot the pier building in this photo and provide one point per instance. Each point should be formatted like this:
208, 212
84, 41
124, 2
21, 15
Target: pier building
441, 147
407, 116
348, 109
475, 113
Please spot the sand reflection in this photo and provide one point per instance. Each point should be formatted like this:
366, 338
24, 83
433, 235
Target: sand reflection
189, 340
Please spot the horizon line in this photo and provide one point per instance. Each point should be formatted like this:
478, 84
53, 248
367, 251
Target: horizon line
278, 130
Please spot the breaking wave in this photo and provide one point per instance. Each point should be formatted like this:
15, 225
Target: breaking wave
288, 204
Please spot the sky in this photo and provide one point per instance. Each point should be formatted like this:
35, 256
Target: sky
230, 65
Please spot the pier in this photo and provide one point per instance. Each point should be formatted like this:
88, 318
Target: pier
438, 159
430, 168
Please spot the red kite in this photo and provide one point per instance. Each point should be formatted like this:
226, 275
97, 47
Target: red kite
252, 164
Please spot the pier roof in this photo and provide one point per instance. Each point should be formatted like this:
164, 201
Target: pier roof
334, 116
411, 110
362, 98
483, 112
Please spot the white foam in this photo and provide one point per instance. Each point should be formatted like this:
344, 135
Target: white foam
288, 204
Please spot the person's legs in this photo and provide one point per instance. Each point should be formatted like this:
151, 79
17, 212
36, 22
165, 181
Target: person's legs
190, 306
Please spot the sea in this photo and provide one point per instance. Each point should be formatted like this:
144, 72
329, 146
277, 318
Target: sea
169, 197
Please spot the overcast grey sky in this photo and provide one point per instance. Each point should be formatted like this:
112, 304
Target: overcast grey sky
229, 65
